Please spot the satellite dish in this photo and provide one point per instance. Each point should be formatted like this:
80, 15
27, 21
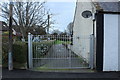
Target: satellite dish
87, 14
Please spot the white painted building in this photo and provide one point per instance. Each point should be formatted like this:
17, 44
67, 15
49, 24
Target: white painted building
85, 24
82, 29
111, 48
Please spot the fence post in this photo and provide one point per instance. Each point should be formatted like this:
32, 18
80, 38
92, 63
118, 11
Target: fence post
91, 61
30, 57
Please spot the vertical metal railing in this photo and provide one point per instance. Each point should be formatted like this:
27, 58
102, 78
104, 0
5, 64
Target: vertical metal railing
91, 61
70, 57
64, 59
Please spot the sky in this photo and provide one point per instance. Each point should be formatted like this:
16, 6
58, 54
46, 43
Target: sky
63, 13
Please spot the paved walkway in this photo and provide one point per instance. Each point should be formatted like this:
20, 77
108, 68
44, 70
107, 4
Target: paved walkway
60, 57
33, 74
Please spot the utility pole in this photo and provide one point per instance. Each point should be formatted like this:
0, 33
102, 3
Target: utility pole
48, 27
48, 24
10, 60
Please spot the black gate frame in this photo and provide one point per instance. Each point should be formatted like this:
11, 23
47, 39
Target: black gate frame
99, 40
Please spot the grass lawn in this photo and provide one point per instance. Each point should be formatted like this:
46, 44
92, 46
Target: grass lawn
64, 70
47, 69
62, 42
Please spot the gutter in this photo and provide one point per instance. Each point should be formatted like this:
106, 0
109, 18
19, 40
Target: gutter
108, 12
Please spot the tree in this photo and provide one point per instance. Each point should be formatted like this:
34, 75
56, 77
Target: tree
56, 32
26, 15
70, 28
37, 30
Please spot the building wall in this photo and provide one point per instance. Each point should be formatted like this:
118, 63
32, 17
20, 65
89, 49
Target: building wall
110, 60
118, 43
83, 28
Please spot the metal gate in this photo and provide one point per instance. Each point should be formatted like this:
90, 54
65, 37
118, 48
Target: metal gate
53, 52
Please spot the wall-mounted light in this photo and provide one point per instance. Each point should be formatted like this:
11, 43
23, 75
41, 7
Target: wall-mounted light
86, 14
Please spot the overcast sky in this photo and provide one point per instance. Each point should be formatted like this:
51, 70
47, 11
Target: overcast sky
64, 13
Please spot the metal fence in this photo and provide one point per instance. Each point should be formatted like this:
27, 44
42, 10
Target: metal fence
53, 52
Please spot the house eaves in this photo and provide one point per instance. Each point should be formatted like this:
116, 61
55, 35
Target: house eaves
107, 6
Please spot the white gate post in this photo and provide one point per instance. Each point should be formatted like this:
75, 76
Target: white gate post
30, 57
91, 60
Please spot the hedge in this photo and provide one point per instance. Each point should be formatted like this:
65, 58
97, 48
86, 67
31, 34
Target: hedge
19, 54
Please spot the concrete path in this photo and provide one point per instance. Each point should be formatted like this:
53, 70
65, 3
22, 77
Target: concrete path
60, 57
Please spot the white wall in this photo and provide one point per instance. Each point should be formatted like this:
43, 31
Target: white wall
83, 28
110, 60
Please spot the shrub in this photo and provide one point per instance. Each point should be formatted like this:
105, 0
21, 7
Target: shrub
20, 52
5, 47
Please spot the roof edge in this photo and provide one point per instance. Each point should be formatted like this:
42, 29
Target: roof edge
107, 12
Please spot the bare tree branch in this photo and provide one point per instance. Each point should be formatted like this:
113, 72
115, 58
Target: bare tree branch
26, 15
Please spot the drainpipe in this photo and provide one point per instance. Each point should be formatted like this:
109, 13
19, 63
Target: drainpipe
93, 40
93, 24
